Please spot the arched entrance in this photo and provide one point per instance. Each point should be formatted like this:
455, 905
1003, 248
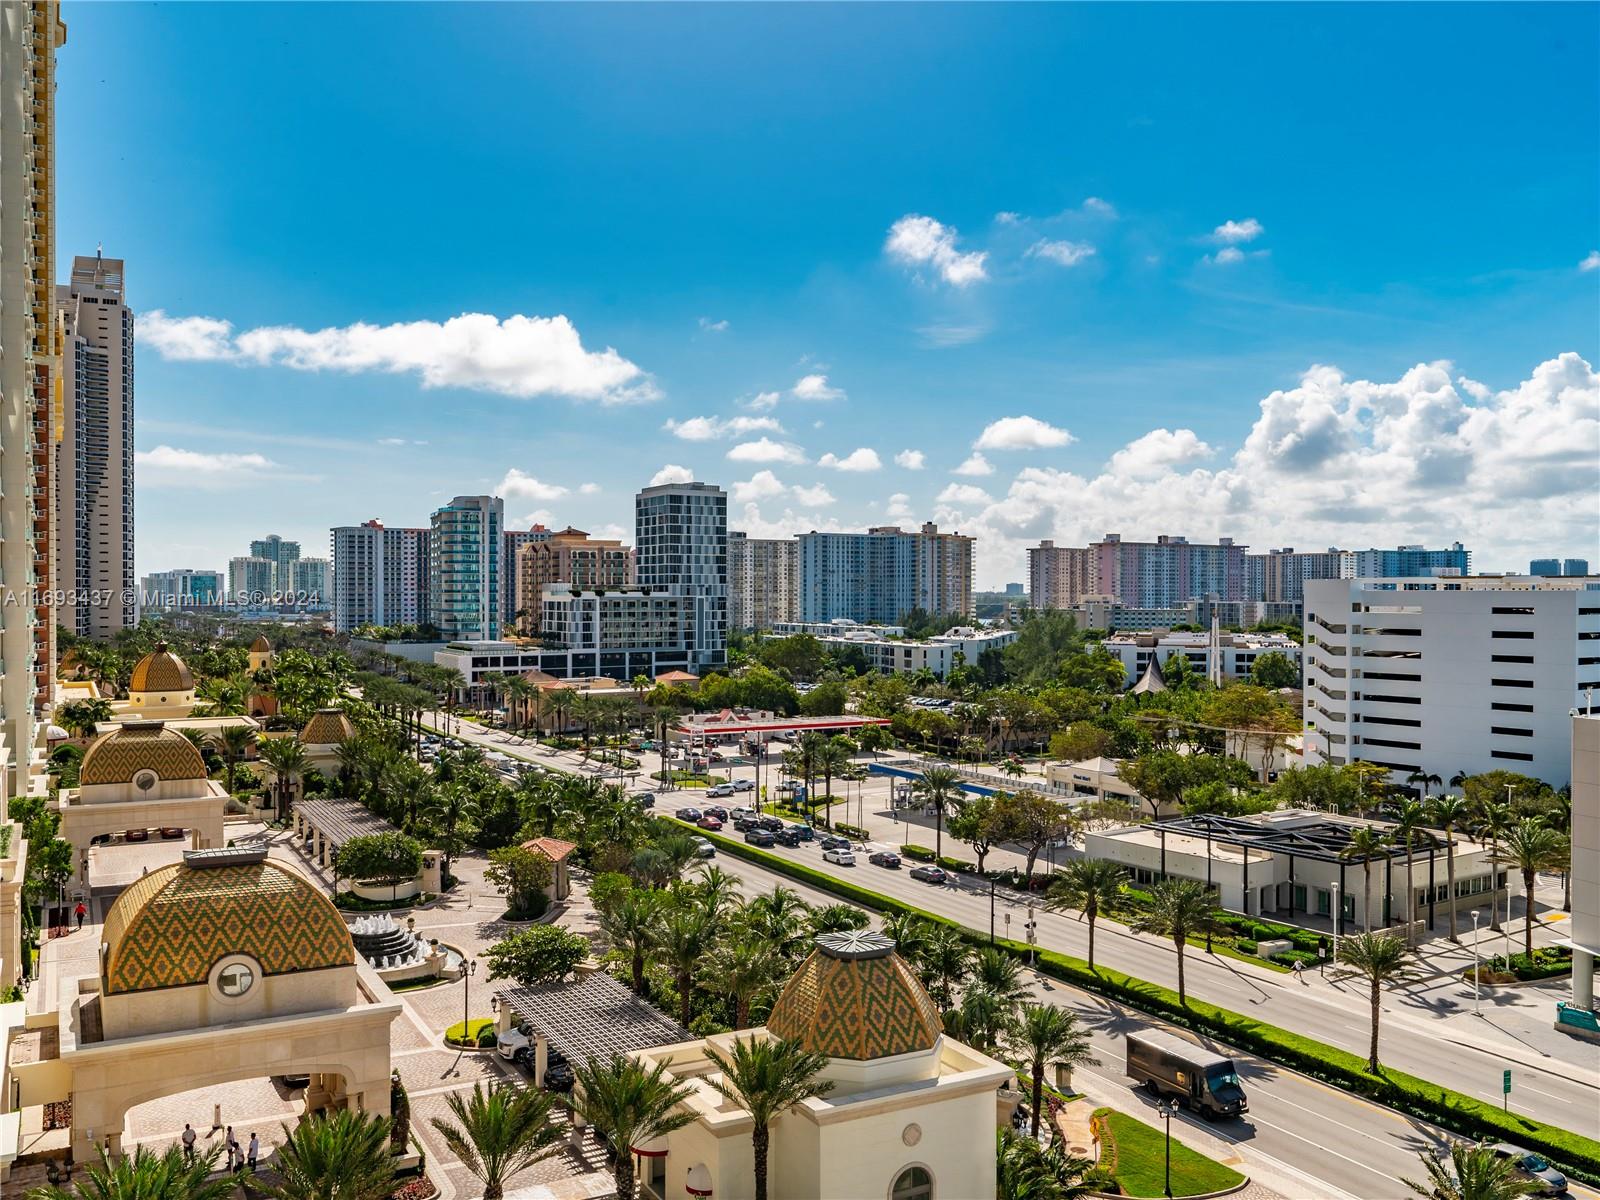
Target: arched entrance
263, 1105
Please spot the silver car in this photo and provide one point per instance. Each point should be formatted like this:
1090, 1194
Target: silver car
1535, 1169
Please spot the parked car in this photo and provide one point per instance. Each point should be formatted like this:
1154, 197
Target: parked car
171, 833
834, 842
738, 813
807, 834
884, 858
1534, 1169
759, 837
769, 823
558, 1075
710, 821
704, 848
787, 835
746, 822
717, 811
136, 835
688, 814
843, 857
929, 874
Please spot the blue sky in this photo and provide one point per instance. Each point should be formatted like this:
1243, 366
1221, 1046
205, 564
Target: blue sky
1299, 274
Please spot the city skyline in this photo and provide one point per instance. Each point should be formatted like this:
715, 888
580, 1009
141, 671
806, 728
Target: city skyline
1048, 305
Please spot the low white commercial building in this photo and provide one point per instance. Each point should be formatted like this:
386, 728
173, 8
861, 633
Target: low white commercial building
1233, 654
901, 655
1288, 866
479, 661
1092, 779
1444, 674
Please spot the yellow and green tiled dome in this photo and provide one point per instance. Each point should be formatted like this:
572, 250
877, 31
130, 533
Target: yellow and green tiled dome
261, 645
172, 926
855, 998
327, 727
118, 756
161, 671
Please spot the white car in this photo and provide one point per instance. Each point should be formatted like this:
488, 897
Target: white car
743, 785
845, 858
720, 789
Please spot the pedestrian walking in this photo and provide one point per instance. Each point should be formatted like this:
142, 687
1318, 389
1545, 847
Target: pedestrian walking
255, 1149
1298, 970
81, 912
188, 1142
232, 1146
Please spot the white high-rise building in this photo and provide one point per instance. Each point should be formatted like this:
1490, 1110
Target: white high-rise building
29, 36
182, 587
313, 583
380, 576
763, 585
282, 554
93, 527
681, 543
464, 568
1442, 674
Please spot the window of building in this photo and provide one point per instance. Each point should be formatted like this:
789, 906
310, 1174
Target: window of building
1501, 706
1511, 754
914, 1183
235, 979
1511, 658
1516, 683
1520, 634
1509, 731
1500, 611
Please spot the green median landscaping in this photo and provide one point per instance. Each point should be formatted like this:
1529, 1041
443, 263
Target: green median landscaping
1136, 1156
1460, 1113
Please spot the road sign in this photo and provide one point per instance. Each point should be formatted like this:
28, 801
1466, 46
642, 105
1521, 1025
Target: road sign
1505, 1081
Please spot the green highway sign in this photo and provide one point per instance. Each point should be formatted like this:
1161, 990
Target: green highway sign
1505, 1081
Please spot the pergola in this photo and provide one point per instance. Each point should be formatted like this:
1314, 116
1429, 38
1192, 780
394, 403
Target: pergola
329, 824
1320, 839
592, 1017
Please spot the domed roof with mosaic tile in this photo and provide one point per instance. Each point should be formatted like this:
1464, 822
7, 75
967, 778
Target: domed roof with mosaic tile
855, 998
327, 727
261, 645
118, 756
172, 926
161, 671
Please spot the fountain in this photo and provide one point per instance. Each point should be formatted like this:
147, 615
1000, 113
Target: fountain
396, 952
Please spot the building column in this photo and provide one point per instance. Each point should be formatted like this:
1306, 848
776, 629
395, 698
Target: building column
1582, 979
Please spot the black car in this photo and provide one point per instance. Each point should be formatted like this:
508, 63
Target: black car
759, 837
884, 858
717, 811
558, 1076
789, 835
832, 842
770, 824
929, 874
688, 814
645, 799
807, 834
744, 824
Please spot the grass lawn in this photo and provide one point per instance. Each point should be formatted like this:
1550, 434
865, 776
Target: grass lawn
1136, 1154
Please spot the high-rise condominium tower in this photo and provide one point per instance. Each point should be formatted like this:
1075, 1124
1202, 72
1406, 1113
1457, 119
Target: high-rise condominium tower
879, 576
283, 555
93, 527
464, 566
380, 576
29, 35
1059, 576
763, 581
681, 542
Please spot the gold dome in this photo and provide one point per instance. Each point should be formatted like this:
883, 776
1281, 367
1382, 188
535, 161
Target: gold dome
171, 927
854, 997
261, 645
327, 727
118, 756
161, 671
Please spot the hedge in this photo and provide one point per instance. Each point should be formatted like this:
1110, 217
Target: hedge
1579, 1156
923, 854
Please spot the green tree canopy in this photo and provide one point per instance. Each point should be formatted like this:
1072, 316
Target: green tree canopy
542, 954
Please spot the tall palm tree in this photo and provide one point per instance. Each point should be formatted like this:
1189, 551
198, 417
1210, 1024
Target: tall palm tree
1025, 1170
1532, 846
832, 759
286, 758
946, 961
909, 933
1365, 843
498, 1132
742, 969
1045, 1034
334, 1155
587, 710
629, 1105
684, 936
233, 743
767, 1077
1470, 1173
1090, 886
1447, 812
999, 974
560, 702
1378, 958
630, 927
1409, 818
938, 786
778, 919
146, 1175
717, 893
1179, 909
1491, 819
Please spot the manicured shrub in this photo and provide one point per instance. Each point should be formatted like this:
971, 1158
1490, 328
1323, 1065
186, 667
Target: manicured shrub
1245, 946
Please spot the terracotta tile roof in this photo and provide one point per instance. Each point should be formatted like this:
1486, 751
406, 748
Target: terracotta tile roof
552, 848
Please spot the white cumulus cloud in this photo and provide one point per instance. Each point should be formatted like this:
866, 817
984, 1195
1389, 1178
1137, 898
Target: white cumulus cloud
711, 326
519, 485
169, 466
1158, 451
1102, 207
921, 241
814, 497
1065, 253
1591, 261
589, 489
672, 473
964, 493
815, 387
862, 458
760, 486
911, 460
1231, 233
975, 464
1021, 433
765, 450
899, 507
517, 356
707, 429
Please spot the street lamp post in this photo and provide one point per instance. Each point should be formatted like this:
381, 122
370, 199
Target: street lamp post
1476, 983
1032, 926
1338, 916
1167, 1109
991, 912
467, 973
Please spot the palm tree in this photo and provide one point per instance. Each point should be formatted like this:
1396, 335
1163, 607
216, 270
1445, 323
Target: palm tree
1044, 1034
560, 702
938, 786
979, 1021
499, 1132
717, 893
630, 1106
1558, 815
830, 760
777, 919
1379, 958
743, 970
1025, 1170
999, 974
1532, 846
145, 1175
1473, 1173
82, 717
286, 758
334, 1155
1090, 886
1491, 820
1409, 817
630, 927
1365, 843
233, 743
684, 936
909, 934
1179, 909
767, 1077
1447, 812
837, 918
946, 961
587, 710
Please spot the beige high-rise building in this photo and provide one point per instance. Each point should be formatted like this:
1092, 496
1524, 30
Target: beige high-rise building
1060, 576
943, 565
29, 346
569, 556
763, 581
93, 527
